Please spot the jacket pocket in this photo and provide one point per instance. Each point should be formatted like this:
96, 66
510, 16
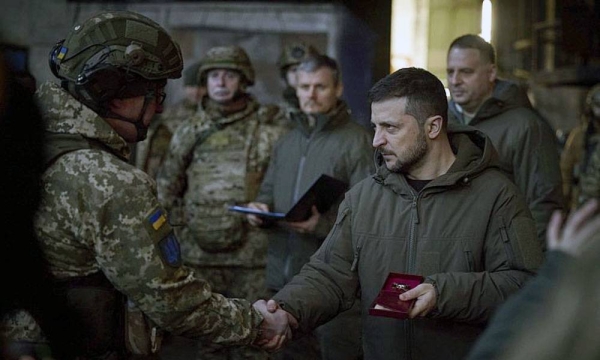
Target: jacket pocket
510, 253
330, 241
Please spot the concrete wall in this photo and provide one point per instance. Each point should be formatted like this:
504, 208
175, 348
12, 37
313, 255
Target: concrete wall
261, 28
449, 19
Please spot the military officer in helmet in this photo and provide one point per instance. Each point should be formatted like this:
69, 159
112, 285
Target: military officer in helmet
218, 158
291, 56
103, 232
580, 165
151, 152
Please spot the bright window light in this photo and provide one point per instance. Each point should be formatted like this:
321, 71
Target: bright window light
486, 20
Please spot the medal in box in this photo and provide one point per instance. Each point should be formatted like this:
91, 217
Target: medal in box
388, 301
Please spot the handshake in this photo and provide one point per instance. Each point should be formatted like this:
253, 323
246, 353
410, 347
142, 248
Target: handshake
276, 327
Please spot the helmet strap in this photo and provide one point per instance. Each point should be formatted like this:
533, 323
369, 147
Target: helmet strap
141, 128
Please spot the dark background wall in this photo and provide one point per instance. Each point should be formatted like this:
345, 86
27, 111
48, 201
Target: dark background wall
550, 46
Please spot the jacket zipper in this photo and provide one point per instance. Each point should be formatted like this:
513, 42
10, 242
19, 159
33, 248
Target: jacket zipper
414, 215
410, 268
507, 246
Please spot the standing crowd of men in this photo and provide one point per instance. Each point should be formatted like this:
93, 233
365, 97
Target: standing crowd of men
459, 192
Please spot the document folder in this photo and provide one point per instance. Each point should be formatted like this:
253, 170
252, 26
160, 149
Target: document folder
323, 193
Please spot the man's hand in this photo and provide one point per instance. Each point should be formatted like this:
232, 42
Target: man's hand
276, 327
307, 226
253, 219
426, 298
577, 232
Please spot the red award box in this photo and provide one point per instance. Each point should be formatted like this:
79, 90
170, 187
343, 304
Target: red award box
388, 302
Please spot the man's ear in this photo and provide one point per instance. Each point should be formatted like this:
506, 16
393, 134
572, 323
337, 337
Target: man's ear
116, 104
493, 73
433, 126
339, 90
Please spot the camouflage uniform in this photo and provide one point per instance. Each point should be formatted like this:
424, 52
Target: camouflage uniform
97, 215
151, 152
216, 160
580, 160
99, 223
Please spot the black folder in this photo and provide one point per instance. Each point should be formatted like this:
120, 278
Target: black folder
323, 193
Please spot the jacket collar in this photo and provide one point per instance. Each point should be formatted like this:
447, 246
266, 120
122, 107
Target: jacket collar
337, 116
214, 112
507, 95
474, 154
63, 114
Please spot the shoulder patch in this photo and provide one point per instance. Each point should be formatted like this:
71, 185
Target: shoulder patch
169, 250
157, 219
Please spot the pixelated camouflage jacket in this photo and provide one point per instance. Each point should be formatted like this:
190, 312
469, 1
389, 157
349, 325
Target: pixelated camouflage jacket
99, 213
214, 161
151, 152
579, 167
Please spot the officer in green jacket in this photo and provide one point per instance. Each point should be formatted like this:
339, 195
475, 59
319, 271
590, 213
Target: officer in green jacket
325, 140
106, 237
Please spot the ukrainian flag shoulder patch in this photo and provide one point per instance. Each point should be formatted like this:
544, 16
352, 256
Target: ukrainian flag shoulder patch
62, 53
157, 219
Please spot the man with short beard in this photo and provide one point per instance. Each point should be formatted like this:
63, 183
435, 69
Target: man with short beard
438, 207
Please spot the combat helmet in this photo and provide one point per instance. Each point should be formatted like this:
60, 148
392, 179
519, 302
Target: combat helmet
190, 74
115, 54
227, 57
293, 54
592, 94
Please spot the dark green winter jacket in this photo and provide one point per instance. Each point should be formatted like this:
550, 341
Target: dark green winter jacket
338, 147
469, 232
527, 148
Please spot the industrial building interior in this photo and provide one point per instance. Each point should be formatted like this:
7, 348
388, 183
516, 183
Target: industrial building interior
551, 47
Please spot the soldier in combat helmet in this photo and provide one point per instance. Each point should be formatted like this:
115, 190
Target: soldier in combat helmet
579, 163
218, 158
106, 237
151, 152
291, 56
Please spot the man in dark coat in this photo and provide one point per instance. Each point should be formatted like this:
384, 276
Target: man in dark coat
438, 207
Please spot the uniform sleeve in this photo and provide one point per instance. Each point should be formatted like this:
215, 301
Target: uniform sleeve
570, 158
524, 306
511, 255
265, 193
327, 284
537, 172
138, 252
171, 177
